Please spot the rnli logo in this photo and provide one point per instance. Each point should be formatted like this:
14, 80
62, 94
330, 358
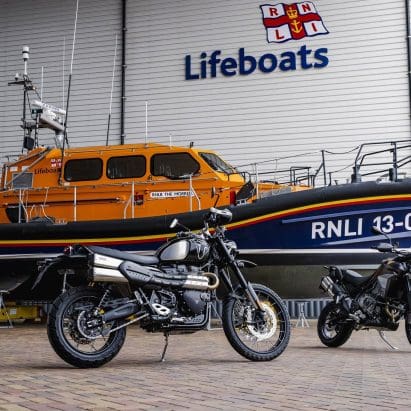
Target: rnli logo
295, 21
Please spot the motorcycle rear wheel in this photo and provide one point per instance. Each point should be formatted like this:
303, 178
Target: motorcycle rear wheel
70, 336
254, 338
332, 335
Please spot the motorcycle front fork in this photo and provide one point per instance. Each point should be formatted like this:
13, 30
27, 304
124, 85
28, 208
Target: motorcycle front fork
245, 285
254, 297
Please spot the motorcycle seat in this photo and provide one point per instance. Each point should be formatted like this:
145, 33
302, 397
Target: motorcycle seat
122, 255
354, 278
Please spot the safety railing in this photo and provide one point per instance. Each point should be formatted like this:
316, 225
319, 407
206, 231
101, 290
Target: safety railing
27, 211
366, 164
400, 152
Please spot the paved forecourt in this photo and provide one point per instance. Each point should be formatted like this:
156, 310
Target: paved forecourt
201, 371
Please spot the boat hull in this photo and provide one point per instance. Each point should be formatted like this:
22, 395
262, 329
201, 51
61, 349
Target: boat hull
298, 231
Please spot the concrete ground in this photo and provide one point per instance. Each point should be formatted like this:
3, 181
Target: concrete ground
203, 372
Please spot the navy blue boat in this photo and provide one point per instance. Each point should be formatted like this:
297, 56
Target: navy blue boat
321, 226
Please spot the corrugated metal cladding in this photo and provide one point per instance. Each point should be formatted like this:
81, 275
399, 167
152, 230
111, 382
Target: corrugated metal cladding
47, 28
360, 96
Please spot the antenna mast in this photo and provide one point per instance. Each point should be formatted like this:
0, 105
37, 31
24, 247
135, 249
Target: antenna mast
65, 140
111, 94
64, 68
145, 142
28, 125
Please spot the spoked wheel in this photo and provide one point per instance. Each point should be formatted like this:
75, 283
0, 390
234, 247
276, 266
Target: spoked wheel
331, 328
76, 332
257, 336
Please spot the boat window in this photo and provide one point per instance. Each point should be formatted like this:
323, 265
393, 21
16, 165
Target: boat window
22, 180
83, 169
175, 165
217, 163
126, 167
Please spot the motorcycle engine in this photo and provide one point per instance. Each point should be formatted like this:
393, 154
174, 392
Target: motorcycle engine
369, 306
195, 301
184, 302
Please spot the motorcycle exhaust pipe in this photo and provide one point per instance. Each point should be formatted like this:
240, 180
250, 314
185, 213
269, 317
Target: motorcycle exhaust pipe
215, 281
141, 276
121, 312
327, 285
101, 274
197, 282
336, 292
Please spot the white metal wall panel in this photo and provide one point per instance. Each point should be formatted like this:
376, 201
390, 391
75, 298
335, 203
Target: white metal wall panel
361, 96
47, 28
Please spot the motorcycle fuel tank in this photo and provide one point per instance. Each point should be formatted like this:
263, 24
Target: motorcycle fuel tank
190, 250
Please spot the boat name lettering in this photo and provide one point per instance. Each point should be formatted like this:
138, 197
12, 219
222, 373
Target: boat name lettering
45, 170
336, 228
169, 194
355, 227
388, 223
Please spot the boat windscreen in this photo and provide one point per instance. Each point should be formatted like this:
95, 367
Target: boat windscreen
217, 163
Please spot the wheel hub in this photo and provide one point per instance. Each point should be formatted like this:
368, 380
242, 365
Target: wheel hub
90, 327
266, 327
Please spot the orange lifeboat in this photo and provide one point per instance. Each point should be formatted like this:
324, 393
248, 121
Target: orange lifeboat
119, 182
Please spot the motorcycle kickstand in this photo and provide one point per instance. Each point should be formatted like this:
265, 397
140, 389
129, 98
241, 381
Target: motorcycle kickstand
166, 334
384, 338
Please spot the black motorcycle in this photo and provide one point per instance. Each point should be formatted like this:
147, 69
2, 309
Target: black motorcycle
377, 301
171, 291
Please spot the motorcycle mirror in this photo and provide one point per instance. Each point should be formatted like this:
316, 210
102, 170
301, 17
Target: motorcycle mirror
384, 248
377, 230
175, 223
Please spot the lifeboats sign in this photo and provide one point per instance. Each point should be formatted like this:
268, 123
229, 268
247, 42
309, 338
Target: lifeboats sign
295, 21
283, 22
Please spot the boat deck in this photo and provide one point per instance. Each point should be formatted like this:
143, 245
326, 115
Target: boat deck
201, 371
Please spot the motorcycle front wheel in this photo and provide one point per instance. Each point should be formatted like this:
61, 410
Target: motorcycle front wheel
408, 326
76, 332
331, 329
257, 337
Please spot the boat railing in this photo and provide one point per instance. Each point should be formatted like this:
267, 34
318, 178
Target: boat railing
27, 212
291, 176
193, 194
400, 156
130, 202
366, 164
22, 207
